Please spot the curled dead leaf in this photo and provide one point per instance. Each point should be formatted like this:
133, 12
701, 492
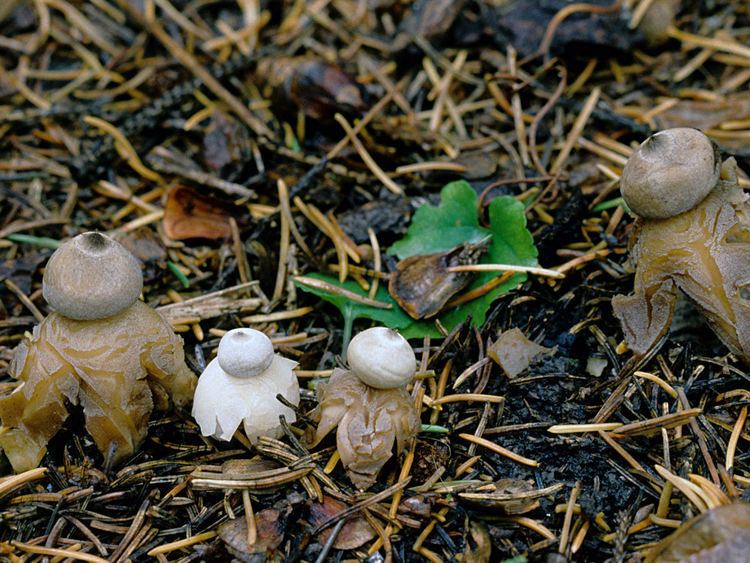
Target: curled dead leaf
702, 114
478, 164
417, 505
270, 535
144, 245
225, 141
189, 214
430, 19
422, 285
513, 352
355, 533
320, 89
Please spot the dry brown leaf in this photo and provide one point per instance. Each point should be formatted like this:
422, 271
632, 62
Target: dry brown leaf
705, 114
423, 284
418, 505
430, 19
355, 533
189, 214
320, 89
225, 141
144, 245
270, 535
513, 352
506, 496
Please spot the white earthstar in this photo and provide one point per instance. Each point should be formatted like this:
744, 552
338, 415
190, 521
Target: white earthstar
247, 393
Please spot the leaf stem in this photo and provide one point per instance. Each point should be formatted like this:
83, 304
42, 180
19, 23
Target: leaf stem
348, 327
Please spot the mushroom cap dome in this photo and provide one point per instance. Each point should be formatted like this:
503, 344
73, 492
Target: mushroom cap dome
245, 352
91, 277
381, 358
670, 173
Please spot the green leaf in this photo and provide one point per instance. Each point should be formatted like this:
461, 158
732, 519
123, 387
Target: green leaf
454, 222
437, 229
395, 317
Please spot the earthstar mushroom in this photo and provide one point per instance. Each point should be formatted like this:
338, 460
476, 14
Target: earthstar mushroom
381, 358
101, 348
91, 277
692, 233
240, 387
671, 172
369, 405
